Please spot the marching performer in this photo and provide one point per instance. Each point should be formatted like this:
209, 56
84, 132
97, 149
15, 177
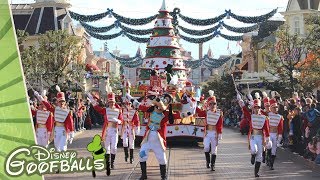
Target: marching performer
213, 131
44, 124
259, 132
63, 128
130, 127
276, 130
113, 116
155, 136
266, 105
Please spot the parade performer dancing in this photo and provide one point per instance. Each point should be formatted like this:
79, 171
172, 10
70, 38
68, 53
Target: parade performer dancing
155, 136
63, 129
213, 130
276, 130
112, 116
259, 132
130, 127
44, 124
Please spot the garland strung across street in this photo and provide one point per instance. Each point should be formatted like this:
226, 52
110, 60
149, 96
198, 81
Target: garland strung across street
211, 21
208, 62
129, 32
130, 62
208, 38
110, 13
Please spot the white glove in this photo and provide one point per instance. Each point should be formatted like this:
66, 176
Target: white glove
279, 140
137, 130
71, 136
268, 143
241, 103
250, 97
39, 97
219, 136
291, 132
136, 104
128, 96
239, 97
251, 103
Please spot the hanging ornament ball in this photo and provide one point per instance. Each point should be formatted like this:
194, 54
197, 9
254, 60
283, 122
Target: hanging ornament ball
157, 66
176, 128
164, 62
156, 33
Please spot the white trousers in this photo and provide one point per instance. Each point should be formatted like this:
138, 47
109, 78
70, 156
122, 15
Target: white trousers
111, 140
153, 143
210, 138
273, 139
127, 137
60, 139
42, 137
256, 146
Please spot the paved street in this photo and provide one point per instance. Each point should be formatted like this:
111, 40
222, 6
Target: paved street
186, 162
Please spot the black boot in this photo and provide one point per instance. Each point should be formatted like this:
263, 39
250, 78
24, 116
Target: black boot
253, 158
108, 170
113, 157
268, 157
207, 159
256, 169
163, 172
213, 161
93, 173
272, 161
126, 153
264, 157
143, 166
131, 156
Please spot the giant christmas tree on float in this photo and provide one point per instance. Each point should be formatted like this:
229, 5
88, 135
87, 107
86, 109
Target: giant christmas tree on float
163, 50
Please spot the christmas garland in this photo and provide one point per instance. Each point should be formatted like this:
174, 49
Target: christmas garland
124, 59
89, 18
105, 37
135, 22
212, 21
252, 19
240, 29
97, 29
137, 39
231, 38
136, 31
199, 32
199, 40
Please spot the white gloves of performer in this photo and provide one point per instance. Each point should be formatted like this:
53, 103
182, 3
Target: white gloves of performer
91, 99
39, 97
241, 103
250, 97
136, 104
279, 140
137, 129
71, 136
268, 143
219, 137
116, 120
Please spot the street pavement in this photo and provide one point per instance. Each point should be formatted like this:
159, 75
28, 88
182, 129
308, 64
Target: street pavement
186, 161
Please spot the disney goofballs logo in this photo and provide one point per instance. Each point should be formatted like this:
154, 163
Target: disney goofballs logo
39, 160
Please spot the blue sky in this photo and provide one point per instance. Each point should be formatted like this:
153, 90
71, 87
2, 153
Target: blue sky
200, 9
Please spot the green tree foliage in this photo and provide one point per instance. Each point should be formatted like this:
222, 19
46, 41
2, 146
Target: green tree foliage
285, 59
222, 86
51, 57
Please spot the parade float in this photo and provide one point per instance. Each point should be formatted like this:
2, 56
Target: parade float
163, 71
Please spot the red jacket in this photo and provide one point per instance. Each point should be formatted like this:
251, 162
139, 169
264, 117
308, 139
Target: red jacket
103, 111
265, 128
68, 123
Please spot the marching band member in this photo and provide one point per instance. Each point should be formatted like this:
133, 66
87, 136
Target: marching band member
276, 130
213, 131
112, 116
63, 128
259, 132
130, 127
44, 124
